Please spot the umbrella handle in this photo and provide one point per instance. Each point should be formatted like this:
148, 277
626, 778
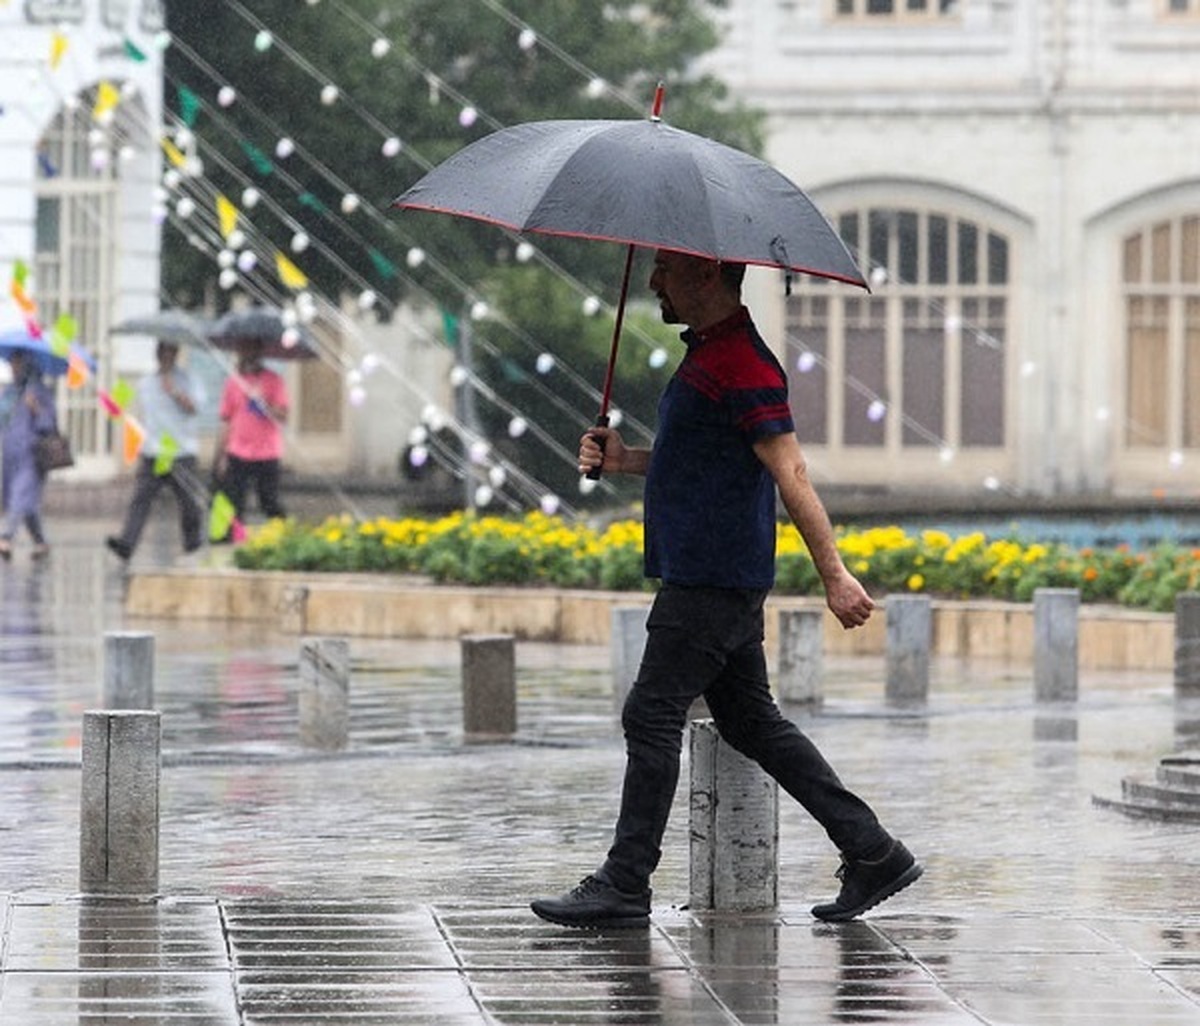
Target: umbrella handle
594, 473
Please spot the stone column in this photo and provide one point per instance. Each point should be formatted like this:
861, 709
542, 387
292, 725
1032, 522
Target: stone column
909, 622
734, 820
801, 654
489, 685
128, 670
626, 642
1056, 644
325, 693
1187, 641
119, 812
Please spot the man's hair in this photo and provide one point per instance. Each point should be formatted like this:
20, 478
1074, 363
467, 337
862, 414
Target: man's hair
732, 275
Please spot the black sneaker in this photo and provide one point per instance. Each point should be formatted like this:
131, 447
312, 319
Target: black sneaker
117, 547
865, 884
594, 903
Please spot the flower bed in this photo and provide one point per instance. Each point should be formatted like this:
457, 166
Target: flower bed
541, 550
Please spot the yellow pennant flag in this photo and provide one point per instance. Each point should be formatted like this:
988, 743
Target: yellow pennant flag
58, 49
174, 154
107, 98
227, 214
132, 438
289, 274
77, 371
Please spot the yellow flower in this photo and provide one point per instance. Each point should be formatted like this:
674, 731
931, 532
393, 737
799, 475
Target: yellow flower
916, 582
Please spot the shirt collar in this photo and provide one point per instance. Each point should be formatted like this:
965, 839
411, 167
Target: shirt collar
723, 328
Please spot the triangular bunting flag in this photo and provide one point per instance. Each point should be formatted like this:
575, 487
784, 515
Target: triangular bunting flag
261, 162
132, 437
189, 106
174, 154
133, 52
109, 403
384, 267
122, 393
168, 449
58, 49
221, 516
77, 371
289, 274
227, 214
107, 98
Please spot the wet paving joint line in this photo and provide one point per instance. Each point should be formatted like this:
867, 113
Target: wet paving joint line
1156, 969
700, 978
461, 965
930, 974
227, 942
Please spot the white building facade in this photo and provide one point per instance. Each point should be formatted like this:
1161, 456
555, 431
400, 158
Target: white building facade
1020, 180
81, 91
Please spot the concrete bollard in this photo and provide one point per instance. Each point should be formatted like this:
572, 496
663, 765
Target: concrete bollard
627, 640
1056, 644
734, 820
128, 670
325, 693
1187, 641
909, 621
119, 816
489, 685
801, 654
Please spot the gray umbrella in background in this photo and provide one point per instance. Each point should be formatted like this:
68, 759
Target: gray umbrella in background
264, 324
172, 325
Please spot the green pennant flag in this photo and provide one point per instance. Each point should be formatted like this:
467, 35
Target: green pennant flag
450, 327
133, 53
220, 517
189, 106
261, 162
383, 266
20, 272
168, 449
307, 199
513, 373
64, 332
122, 393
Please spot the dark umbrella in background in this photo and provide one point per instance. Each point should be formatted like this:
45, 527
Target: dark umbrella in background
264, 324
171, 325
640, 183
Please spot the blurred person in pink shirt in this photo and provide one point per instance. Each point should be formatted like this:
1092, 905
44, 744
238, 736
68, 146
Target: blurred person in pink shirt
249, 446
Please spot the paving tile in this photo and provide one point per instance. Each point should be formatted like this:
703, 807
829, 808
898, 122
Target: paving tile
436, 998
108, 998
115, 936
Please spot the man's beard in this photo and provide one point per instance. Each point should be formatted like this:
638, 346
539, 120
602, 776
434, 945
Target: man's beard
667, 311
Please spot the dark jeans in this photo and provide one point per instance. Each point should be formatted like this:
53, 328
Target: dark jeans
184, 480
263, 474
709, 641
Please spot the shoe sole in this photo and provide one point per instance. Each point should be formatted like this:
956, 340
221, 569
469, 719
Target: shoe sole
619, 923
910, 875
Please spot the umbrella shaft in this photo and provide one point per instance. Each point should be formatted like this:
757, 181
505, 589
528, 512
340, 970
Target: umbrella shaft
616, 339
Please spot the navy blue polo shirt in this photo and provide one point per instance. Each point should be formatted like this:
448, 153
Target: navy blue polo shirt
710, 502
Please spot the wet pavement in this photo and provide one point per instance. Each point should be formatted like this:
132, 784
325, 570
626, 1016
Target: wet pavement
389, 883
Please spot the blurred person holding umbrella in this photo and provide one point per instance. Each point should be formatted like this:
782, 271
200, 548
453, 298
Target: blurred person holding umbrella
168, 401
249, 445
726, 444
26, 413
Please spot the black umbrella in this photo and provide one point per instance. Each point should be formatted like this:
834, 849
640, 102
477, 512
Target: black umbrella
264, 324
176, 326
642, 183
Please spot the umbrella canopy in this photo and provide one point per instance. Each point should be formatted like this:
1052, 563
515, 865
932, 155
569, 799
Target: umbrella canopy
176, 326
264, 324
38, 348
642, 183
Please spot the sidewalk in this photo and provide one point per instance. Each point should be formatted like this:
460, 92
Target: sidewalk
389, 884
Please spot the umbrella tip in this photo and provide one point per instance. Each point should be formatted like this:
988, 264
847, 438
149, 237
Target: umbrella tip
656, 109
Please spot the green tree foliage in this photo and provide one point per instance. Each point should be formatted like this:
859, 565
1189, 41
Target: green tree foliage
441, 55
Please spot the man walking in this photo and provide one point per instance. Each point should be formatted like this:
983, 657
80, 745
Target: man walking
168, 403
725, 443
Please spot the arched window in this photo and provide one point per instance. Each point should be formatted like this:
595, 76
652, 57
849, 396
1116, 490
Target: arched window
920, 362
76, 240
1161, 284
